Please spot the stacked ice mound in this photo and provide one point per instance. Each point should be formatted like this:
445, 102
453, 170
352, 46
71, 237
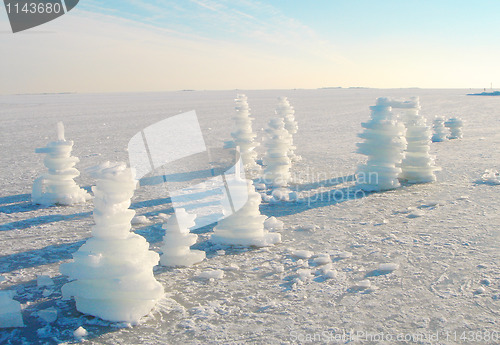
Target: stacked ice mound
384, 145
455, 125
418, 165
243, 224
276, 160
57, 185
244, 137
112, 272
287, 113
177, 240
440, 131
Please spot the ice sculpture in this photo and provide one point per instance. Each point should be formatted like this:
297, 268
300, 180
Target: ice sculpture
244, 137
245, 227
455, 125
112, 273
276, 160
177, 240
418, 165
10, 311
384, 145
440, 131
57, 185
287, 113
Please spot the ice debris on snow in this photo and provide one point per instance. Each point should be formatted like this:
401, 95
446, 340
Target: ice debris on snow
440, 130
57, 186
213, 274
302, 254
273, 223
80, 333
363, 284
285, 111
322, 259
112, 273
10, 310
388, 267
384, 145
455, 125
491, 177
177, 241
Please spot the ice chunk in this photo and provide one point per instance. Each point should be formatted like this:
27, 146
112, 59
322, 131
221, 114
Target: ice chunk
10, 311
273, 223
363, 284
344, 255
44, 280
455, 125
213, 274
322, 259
80, 332
491, 176
440, 131
304, 274
302, 254
388, 267
49, 315
331, 274
139, 220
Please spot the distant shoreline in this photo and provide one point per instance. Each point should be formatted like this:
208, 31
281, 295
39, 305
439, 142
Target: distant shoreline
493, 93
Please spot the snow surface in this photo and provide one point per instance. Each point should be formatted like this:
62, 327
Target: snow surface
448, 277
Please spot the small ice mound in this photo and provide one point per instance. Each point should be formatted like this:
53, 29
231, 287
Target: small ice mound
363, 284
491, 177
80, 333
388, 267
331, 274
455, 125
10, 311
48, 315
322, 259
303, 275
111, 275
245, 227
57, 186
273, 224
440, 130
140, 220
302, 254
44, 280
177, 241
479, 291
344, 255
213, 274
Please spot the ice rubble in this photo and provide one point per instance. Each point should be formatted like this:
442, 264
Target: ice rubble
244, 226
10, 311
112, 272
285, 111
455, 125
177, 240
244, 137
384, 145
278, 163
440, 131
417, 165
57, 185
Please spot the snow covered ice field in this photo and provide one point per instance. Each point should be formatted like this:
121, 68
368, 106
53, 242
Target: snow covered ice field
441, 239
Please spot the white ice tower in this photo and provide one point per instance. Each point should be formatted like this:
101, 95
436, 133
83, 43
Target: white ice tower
178, 239
455, 125
276, 160
384, 145
440, 130
244, 136
243, 224
112, 273
418, 165
287, 113
57, 185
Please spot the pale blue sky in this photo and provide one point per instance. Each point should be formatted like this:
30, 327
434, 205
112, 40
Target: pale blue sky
136, 45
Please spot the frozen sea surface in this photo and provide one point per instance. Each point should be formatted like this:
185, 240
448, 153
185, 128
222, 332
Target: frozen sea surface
440, 240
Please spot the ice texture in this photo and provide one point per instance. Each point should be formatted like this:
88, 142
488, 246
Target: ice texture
285, 111
112, 273
418, 165
440, 130
244, 136
178, 239
455, 125
244, 227
384, 145
57, 186
10, 311
491, 176
276, 160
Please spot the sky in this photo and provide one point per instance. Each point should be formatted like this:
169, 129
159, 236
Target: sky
163, 45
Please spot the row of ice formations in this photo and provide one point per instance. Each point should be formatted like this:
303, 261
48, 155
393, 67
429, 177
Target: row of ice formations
111, 275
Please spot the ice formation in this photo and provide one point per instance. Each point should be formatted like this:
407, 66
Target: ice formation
112, 273
287, 113
57, 185
244, 226
277, 162
491, 176
244, 137
440, 131
177, 240
455, 125
418, 165
10, 311
384, 145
